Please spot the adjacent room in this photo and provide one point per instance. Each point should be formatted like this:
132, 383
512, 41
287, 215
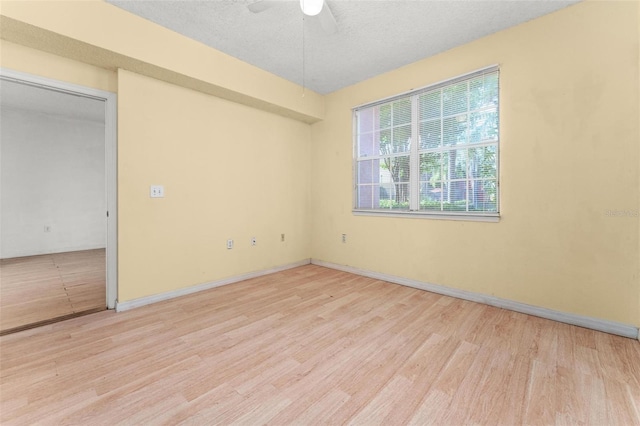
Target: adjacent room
52, 256
374, 212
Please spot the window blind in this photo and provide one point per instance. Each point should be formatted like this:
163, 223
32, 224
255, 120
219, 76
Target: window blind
453, 165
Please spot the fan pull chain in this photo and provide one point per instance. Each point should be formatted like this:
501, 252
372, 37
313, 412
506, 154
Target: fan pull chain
303, 58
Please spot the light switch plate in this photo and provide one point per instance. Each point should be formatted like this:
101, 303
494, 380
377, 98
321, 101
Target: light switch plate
157, 191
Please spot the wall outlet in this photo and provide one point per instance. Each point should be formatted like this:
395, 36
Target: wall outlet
156, 191
47, 228
344, 238
253, 241
229, 244
282, 237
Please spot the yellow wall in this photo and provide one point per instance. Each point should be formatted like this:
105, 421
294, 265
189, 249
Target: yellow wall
101, 34
229, 171
569, 151
32, 61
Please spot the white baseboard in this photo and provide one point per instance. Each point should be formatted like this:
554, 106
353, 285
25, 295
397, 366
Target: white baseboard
611, 327
147, 300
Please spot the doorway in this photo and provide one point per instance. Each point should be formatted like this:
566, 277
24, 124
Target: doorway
58, 230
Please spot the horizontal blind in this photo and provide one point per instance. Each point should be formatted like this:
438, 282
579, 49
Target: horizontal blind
457, 136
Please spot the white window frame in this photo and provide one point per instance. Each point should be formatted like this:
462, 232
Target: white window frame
414, 210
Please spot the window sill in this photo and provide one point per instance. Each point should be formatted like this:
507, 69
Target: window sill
472, 217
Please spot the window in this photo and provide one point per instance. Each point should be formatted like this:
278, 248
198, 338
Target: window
453, 167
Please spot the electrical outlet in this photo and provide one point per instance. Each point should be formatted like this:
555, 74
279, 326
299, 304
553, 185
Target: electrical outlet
344, 238
229, 244
156, 191
47, 228
253, 241
282, 237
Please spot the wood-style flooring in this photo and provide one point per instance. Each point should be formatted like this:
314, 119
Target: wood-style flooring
314, 346
38, 289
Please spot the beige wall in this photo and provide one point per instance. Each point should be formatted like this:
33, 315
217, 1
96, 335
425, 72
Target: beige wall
229, 171
98, 33
569, 152
20, 58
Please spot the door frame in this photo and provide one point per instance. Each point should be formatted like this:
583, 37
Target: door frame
111, 161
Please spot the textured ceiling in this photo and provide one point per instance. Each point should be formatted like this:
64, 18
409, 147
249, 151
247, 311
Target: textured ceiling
37, 99
373, 37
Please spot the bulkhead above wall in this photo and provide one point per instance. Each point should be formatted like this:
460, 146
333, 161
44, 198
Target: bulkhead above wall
149, 49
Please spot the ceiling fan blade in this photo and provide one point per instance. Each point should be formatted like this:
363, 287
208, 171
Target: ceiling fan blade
259, 6
327, 20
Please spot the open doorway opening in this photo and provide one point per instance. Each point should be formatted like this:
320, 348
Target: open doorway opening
57, 201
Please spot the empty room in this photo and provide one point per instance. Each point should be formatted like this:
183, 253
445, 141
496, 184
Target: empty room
53, 206
324, 212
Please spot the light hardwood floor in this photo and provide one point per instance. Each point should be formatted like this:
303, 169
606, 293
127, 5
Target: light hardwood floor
313, 346
40, 288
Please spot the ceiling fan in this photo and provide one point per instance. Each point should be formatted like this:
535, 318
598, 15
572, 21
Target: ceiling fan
314, 8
